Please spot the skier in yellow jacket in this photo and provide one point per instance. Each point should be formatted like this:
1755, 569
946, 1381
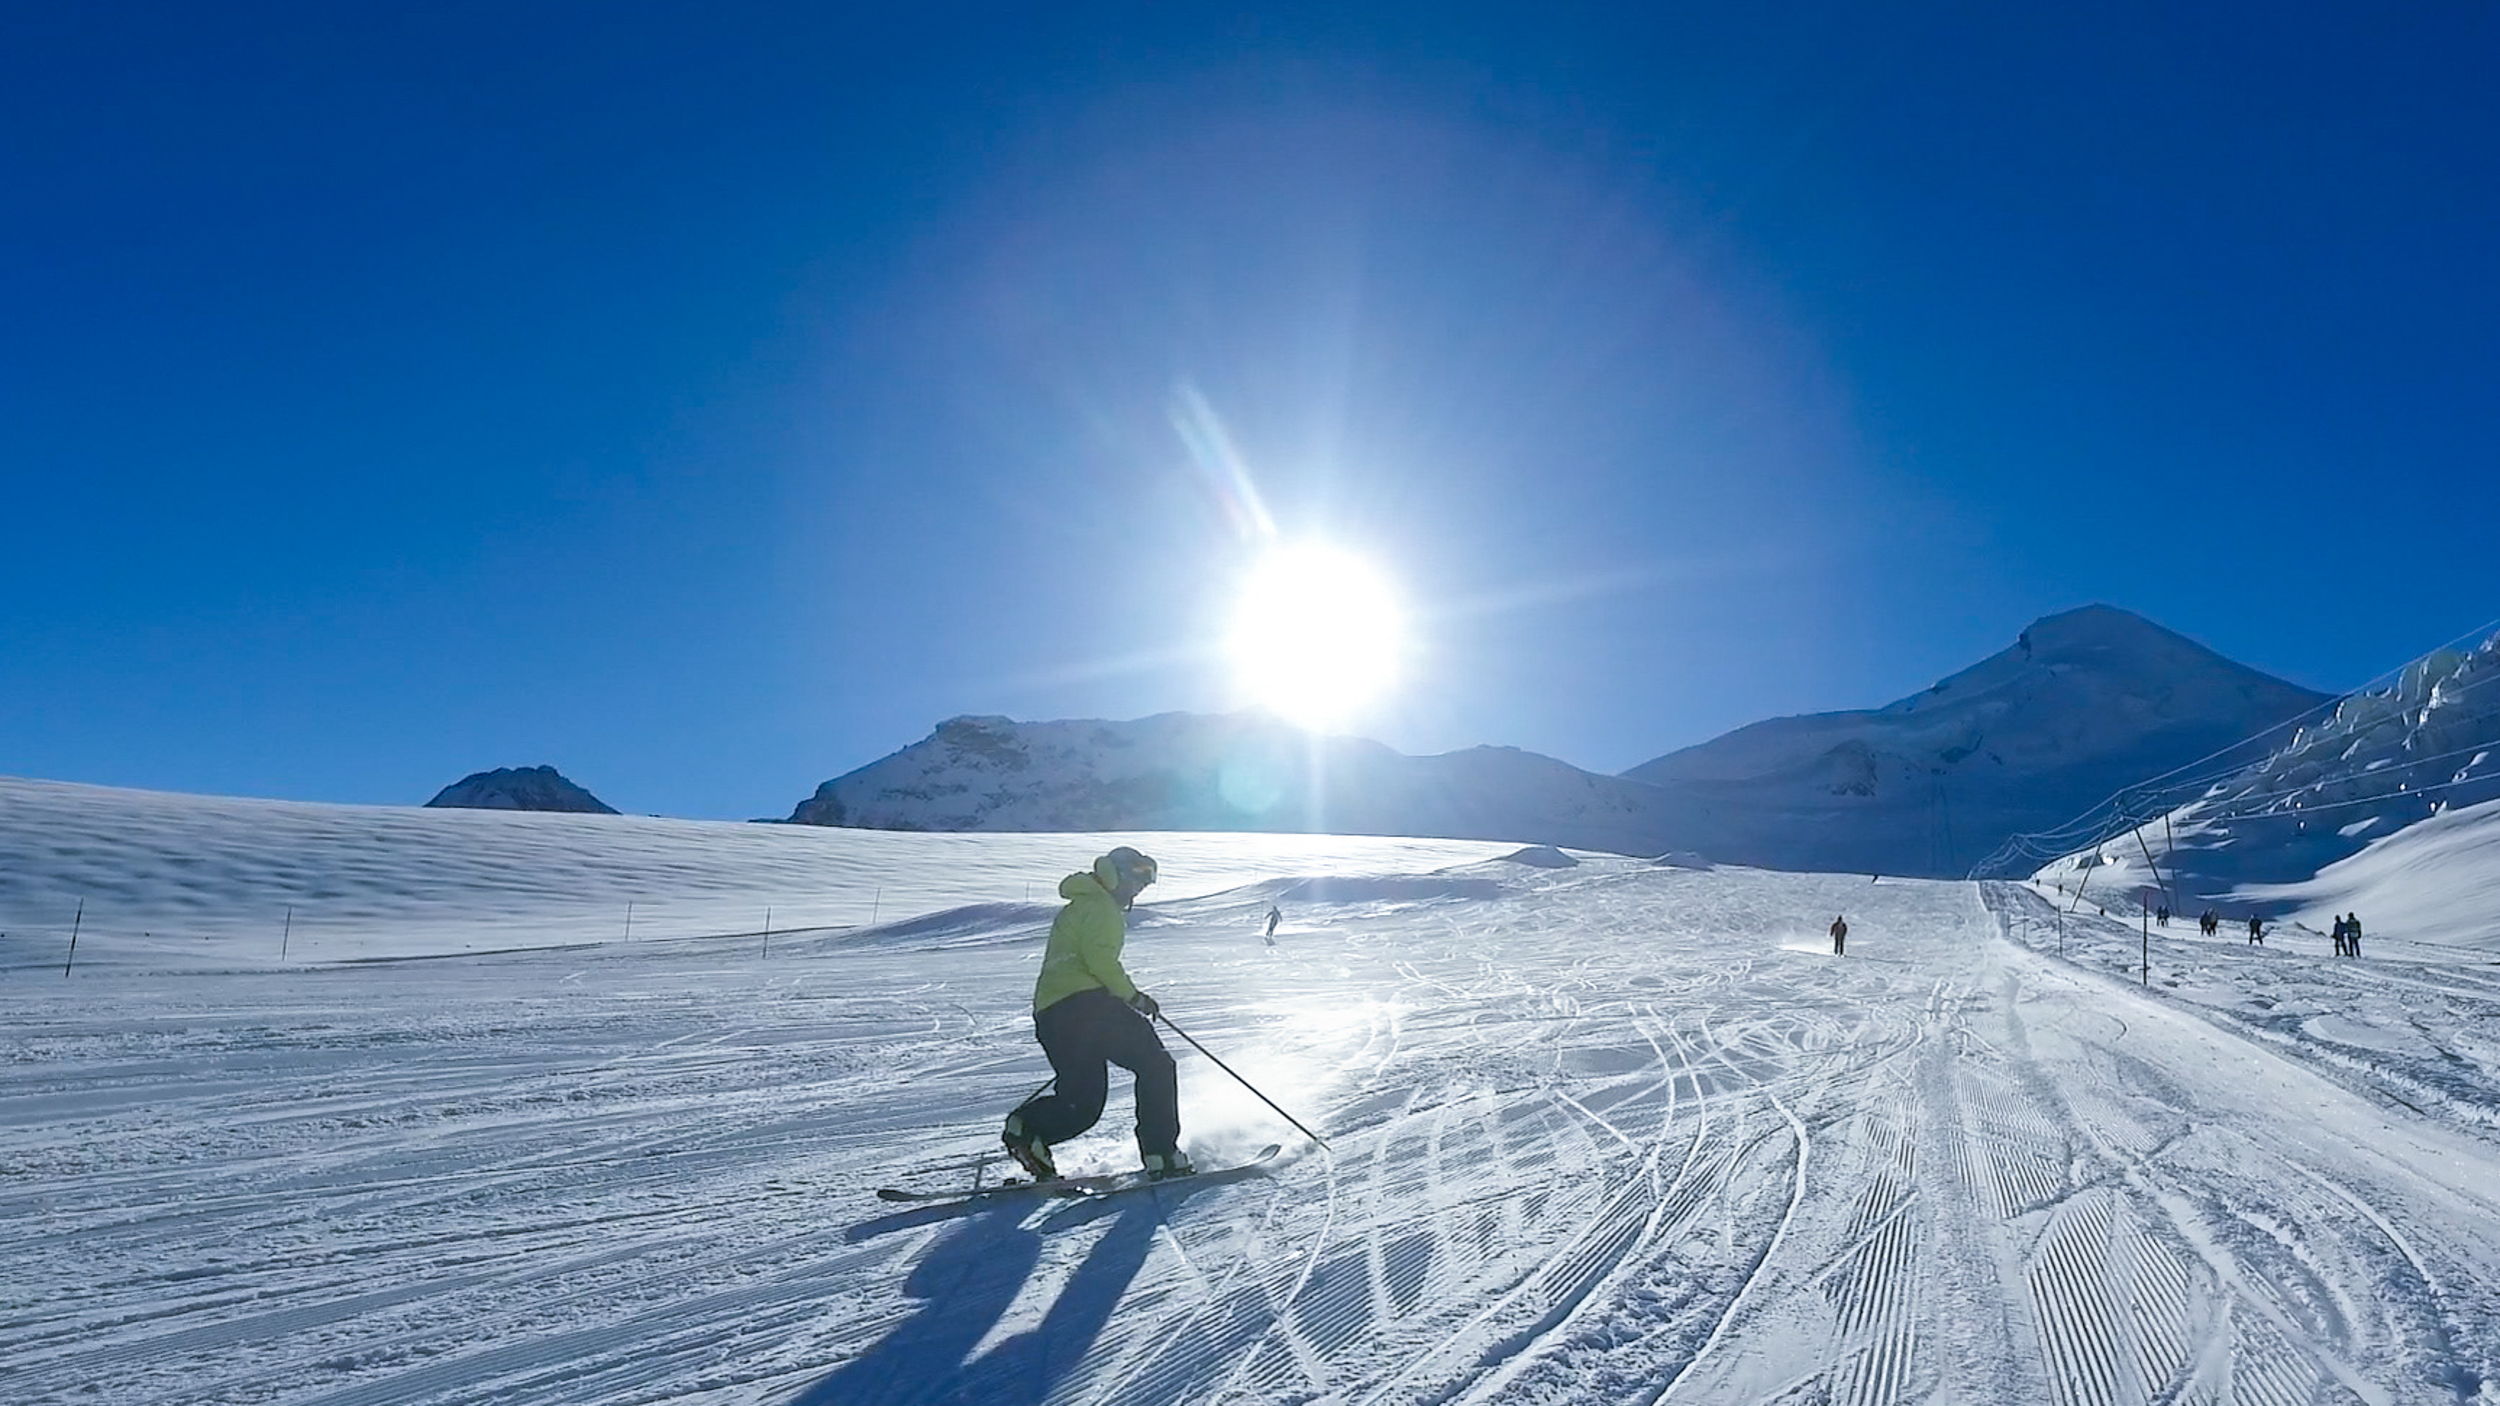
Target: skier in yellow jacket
1089, 1016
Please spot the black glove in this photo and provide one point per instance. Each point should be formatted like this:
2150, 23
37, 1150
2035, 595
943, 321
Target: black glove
1144, 1005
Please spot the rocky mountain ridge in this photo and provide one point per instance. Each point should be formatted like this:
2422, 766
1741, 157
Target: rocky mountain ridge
520, 788
2080, 704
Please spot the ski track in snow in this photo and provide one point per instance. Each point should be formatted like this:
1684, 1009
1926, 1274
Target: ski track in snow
1613, 1133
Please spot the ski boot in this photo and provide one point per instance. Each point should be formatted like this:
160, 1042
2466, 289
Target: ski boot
1030, 1152
1163, 1166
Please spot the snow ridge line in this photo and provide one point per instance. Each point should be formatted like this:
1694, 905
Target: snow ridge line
1283, 1305
1671, 1205
1868, 1286
2071, 1297
1753, 1276
2265, 1371
1668, 1205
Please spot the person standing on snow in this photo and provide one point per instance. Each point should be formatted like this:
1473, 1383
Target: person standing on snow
1840, 936
1089, 1016
2256, 932
2339, 935
2352, 934
1273, 918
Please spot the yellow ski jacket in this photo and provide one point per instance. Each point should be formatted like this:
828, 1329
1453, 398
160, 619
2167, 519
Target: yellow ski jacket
1084, 949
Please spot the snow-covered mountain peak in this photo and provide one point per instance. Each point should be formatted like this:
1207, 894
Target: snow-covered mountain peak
2354, 777
1223, 772
2094, 652
2077, 704
2096, 628
520, 788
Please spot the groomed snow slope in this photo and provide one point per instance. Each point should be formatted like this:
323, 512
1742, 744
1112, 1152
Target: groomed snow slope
161, 879
1605, 1132
2432, 881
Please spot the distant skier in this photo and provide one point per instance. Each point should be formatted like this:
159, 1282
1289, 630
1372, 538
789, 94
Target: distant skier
2340, 936
2256, 933
2161, 915
2209, 924
1273, 918
1088, 1016
2352, 934
1840, 936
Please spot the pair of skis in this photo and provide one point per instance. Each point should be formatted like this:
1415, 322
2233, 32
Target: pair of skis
1095, 1187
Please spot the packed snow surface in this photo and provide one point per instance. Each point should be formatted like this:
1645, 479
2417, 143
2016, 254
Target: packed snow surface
2433, 880
1610, 1131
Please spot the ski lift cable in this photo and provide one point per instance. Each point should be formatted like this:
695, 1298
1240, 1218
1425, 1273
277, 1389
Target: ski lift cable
2150, 787
2374, 798
2396, 673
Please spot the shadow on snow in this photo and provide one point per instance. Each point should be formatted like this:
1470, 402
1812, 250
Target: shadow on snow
965, 1283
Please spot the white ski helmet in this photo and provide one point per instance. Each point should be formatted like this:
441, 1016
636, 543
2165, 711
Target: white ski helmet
1124, 869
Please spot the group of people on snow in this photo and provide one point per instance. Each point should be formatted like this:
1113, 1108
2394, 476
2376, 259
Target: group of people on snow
2347, 931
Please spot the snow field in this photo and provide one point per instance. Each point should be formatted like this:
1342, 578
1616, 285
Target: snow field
1612, 1132
160, 880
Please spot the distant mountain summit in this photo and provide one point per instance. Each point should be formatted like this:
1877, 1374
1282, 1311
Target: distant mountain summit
2079, 705
520, 788
1227, 772
2377, 764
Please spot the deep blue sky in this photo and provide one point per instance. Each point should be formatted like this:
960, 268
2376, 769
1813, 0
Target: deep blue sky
709, 398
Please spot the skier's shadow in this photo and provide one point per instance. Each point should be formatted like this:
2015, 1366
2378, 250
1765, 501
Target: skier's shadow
965, 1283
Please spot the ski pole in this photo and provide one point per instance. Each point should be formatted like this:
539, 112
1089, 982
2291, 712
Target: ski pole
1193, 1044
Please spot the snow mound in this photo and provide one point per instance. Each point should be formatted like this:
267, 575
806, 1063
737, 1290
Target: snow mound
974, 923
1394, 888
1541, 857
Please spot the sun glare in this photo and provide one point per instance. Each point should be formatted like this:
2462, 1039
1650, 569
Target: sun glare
1318, 634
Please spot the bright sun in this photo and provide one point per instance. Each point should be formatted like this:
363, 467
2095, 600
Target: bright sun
1318, 634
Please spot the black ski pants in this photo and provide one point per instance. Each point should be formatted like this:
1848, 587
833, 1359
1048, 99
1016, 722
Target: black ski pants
1084, 1035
